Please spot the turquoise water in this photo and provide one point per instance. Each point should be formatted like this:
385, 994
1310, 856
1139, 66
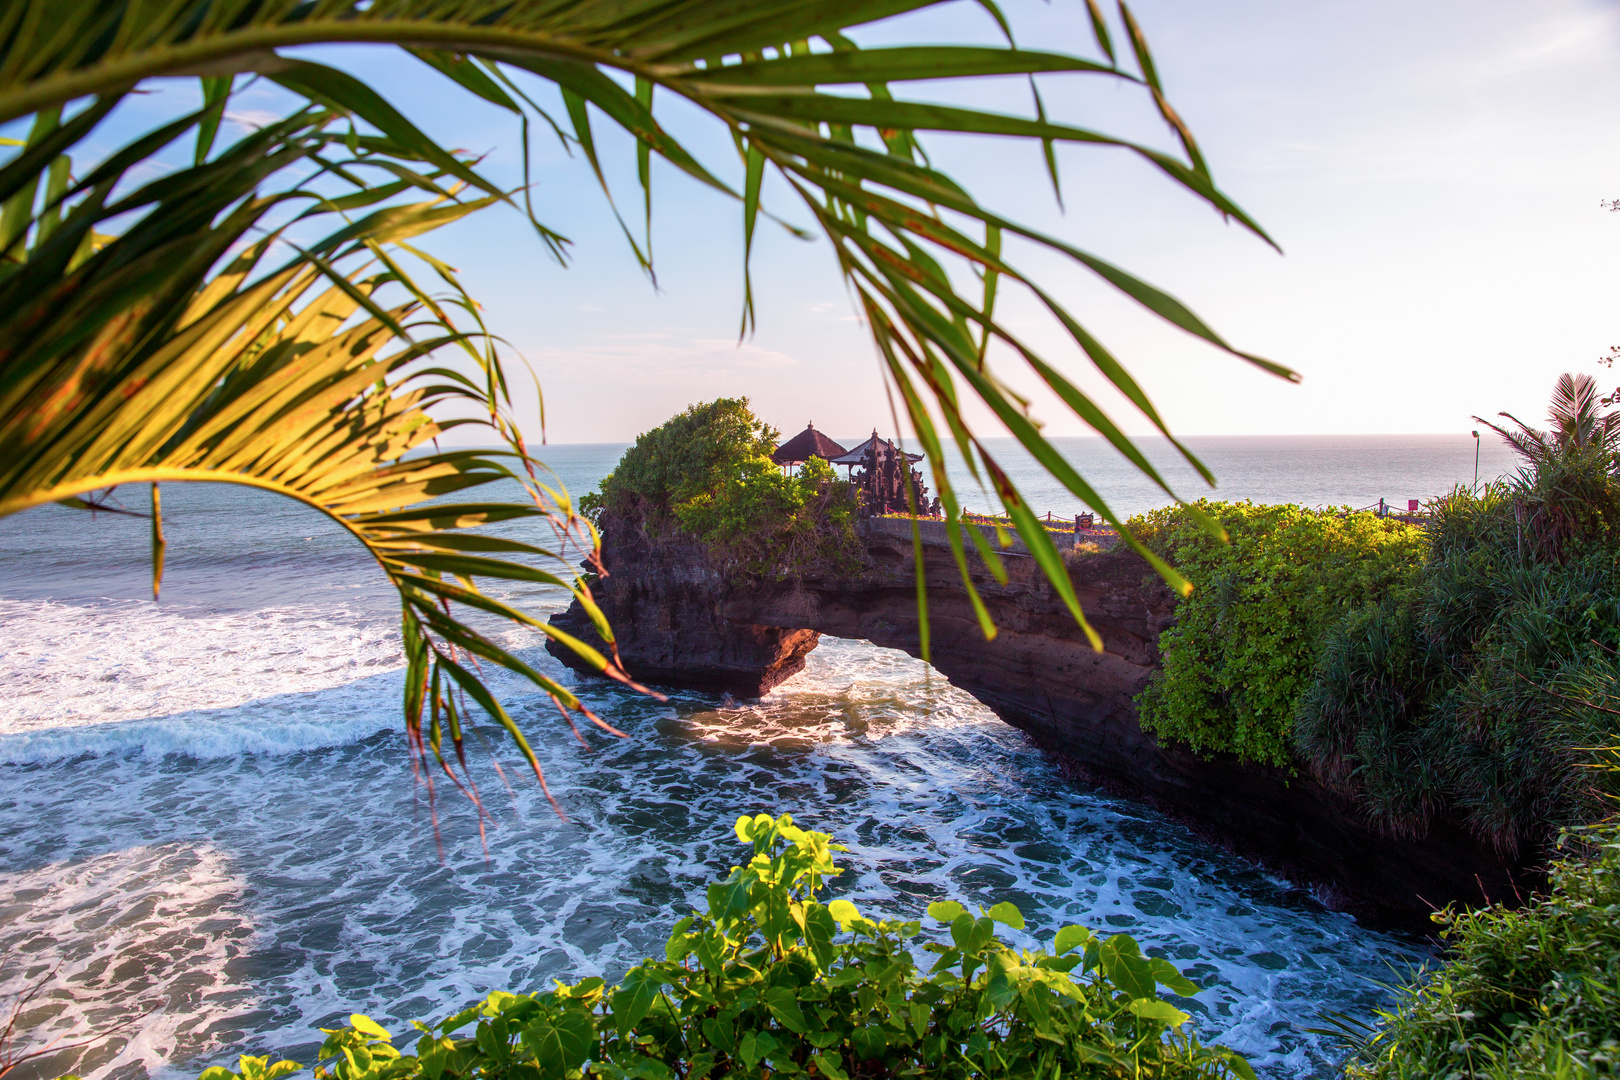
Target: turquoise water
211, 835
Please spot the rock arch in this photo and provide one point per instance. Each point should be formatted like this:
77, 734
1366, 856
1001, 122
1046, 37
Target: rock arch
680, 622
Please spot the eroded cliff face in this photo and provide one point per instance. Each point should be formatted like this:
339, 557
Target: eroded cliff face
681, 622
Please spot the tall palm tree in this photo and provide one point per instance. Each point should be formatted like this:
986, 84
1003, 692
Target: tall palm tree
205, 342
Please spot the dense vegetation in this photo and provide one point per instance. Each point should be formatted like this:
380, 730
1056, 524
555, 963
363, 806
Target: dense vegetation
772, 981
1467, 694
1454, 670
707, 473
1245, 641
1467, 669
1533, 992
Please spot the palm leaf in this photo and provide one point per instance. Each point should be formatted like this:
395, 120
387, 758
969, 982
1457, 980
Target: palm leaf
139, 366
151, 357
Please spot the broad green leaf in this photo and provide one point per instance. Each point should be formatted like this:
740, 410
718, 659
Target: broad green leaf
944, 910
367, 1026
869, 1042
679, 945
819, 929
560, 1041
1007, 915
1070, 937
633, 999
1162, 1011
1124, 965
1167, 975
729, 899
784, 1005
844, 912
829, 1066
1001, 989
710, 954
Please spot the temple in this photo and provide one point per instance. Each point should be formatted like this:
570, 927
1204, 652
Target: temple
805, 445
879, 471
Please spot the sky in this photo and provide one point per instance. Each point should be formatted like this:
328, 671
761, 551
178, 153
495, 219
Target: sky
1432, 170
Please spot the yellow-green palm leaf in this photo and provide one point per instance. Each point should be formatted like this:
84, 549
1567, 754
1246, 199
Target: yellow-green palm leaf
139, 362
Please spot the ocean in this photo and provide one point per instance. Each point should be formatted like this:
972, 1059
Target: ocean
211, 842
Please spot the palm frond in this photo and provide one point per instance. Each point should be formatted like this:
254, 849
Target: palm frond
1529, 443
1574, 410
171, 353
159, 357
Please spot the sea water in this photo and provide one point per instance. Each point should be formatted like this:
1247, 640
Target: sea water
212, 841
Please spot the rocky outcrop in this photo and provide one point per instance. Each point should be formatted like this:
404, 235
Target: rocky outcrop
681, 622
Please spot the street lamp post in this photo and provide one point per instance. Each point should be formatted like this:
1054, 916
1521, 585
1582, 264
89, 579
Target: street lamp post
1476, 461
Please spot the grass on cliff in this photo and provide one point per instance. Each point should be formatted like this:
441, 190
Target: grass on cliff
706, 474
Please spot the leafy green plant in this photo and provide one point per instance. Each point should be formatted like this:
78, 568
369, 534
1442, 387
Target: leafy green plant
689, 455
1244, 648
1565, 494
1570, 503
764, 522
1367, 703
772, 981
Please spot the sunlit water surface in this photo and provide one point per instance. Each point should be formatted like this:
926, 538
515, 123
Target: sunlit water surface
211, 841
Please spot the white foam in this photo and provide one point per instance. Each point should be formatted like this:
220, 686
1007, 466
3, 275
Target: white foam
335, 894
127, 676
137, 949
850, 692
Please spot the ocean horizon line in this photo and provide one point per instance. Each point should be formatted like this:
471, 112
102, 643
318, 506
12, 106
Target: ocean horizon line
1090, 438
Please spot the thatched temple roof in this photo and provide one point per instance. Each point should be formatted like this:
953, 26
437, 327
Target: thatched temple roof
805, 445
876, 448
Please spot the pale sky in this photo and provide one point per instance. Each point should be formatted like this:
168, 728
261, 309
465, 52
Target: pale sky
1432, 170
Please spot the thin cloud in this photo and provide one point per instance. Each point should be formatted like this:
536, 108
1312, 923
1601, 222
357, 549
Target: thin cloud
253, 119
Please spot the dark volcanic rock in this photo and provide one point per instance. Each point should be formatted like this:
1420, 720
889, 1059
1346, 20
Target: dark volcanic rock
677, 623
680, 622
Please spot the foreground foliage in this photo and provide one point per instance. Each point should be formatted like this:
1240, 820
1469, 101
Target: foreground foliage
707, 473
1244, 646
134, 352
189, 345
772, 981
1532, 992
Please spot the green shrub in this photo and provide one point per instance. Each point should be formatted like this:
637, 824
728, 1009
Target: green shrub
1245, 643
1532, 992
1570, 501
688, 455
707, 473
771, 981
1464, 694
1368, 703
